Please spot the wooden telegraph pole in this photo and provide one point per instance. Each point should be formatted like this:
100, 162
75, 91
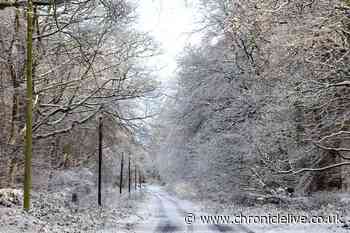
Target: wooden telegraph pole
129, 175
140, 179
100, 160
121, 174
135, 177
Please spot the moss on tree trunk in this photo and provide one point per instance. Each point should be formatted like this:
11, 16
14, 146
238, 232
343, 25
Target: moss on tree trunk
29, 113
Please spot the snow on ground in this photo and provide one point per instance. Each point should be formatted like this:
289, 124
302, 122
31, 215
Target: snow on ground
320, 204
51, 213
274, 210
148, 216
69, 206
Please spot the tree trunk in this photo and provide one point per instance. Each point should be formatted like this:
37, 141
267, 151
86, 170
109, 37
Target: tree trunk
15, 83
29, 114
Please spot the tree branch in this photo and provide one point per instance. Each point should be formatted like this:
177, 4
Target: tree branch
66, 130
314, 169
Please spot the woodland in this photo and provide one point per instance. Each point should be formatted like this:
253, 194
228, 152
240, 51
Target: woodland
260, 105
65, 64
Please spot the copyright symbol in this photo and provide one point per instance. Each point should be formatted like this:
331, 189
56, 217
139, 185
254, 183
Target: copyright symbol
190, 218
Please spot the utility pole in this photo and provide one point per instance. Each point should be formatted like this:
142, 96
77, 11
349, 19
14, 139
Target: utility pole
121, 174
100, 135
140, 179
129, 176
135, 177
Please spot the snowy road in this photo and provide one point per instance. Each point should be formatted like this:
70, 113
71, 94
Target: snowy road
167, 214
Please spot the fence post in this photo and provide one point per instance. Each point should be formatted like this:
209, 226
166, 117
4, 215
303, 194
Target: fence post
129, 175
100, 135
121, 174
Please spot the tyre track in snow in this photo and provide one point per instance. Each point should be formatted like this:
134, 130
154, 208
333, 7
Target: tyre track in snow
169, 216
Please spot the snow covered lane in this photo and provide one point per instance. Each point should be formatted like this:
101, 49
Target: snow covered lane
168, 216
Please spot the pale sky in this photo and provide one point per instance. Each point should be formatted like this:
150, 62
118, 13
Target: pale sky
170, 23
